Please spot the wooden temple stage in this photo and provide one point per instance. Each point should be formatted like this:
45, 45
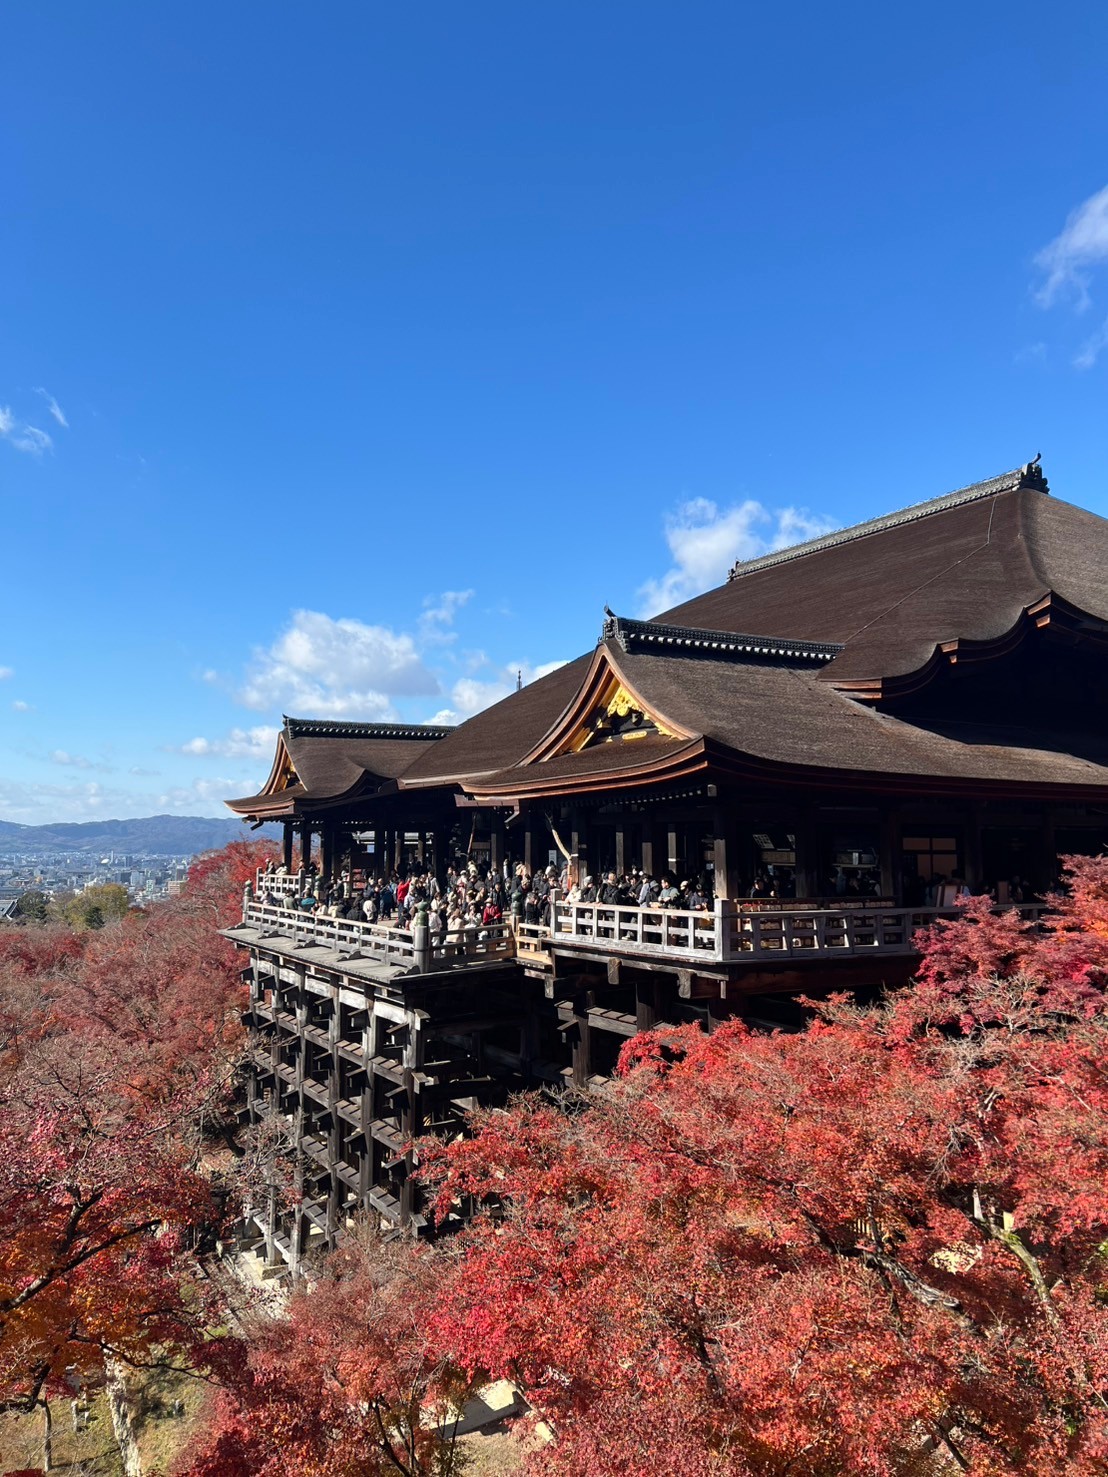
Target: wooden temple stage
934, 720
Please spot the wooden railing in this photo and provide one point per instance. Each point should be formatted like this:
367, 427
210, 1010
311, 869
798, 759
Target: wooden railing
280, 884
732, 932
379, 942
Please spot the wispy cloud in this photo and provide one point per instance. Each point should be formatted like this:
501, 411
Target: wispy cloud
706, 540
469, 696
1069, 264
19, 706
436, 621
1081, 244
22, 436
240, 743
336, 668
1092, 348
6, 672
441, 609
53, 407
77, 761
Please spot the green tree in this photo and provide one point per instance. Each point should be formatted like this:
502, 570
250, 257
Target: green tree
106, 902
32, 907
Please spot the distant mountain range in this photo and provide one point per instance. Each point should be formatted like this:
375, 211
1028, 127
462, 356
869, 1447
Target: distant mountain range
154, 835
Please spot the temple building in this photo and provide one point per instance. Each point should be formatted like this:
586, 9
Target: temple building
830, 746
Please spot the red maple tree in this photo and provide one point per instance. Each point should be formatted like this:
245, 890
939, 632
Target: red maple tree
346, 1382
117, 1058
877, 1245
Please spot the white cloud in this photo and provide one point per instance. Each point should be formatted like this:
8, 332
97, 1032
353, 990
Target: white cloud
1092, 348
468, 696
443, 608
6, 672
437, 618
336, 668
39, 804
705, 541
1082, 243
22, 436
204, 792
77, 761
36, 804
53, 407
240, 743
19, 706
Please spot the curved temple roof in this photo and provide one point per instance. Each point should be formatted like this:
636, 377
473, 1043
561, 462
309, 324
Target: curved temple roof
859, 613
963, 567
322, 760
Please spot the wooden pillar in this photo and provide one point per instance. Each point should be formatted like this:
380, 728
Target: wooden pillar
529, 842
648, 1002
327, 851
889, 854
975, 878
1050, 854
305, 844
648, 848
671, 850
621, 848
582, 1046
718, 1009
728, 879
286, 853
496, 841
808, 883
438, 852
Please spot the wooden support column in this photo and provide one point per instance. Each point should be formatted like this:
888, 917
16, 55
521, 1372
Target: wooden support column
671, 850
621, 848
718, 1009
648, 1002
807, 858
889, 853
327, 851
286, 851
496, 840
529, 842
974, 863
648, 849
728, 882
582, 1046
305, 844
438, 852
1050, 854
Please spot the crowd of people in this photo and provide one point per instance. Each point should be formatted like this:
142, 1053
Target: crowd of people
472, 897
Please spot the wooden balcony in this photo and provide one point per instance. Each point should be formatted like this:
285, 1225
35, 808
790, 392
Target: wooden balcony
380, 943
735, 934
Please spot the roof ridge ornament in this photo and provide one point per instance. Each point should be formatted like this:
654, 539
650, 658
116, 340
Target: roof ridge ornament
659, 638
342, 728
1028, 478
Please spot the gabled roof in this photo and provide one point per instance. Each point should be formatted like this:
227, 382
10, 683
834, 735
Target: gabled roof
501, 735
871, 611
324, 760
772, 717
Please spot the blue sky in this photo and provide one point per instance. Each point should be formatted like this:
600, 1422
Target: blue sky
353, 356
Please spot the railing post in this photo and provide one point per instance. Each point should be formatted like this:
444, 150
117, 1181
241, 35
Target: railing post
421, 940
247, 897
